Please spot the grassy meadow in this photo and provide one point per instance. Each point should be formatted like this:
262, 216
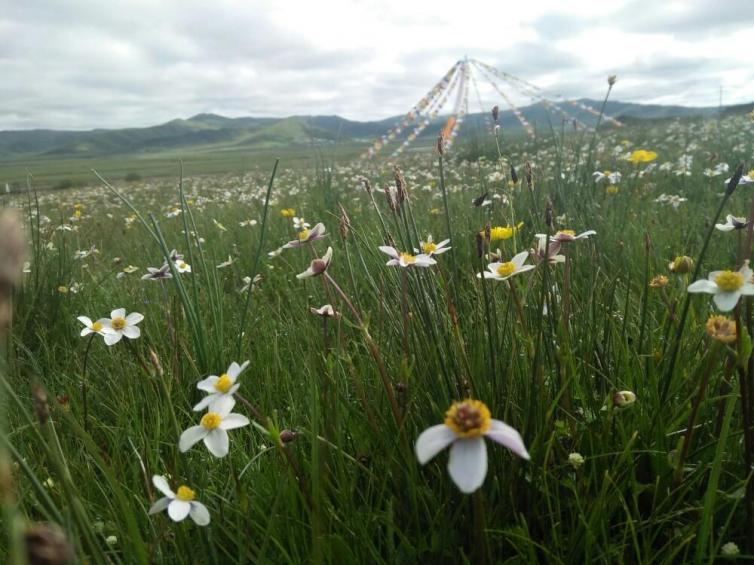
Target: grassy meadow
636, 411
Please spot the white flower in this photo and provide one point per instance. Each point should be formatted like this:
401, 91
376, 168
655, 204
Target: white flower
730, 549
326, 311
430, 248
503, 271
466, 425
97, 327
213, 429
220, 387
299, 223
406, 260
224, 264
576, 460
748, 178
732, 223
612, 177
158, 274
121, 325
726, 286
182, 267
179, 504
307, 236
317, 266
566, 236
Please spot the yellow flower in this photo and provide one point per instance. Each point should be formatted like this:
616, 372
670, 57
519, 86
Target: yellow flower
435, 211
612, 190
642, 156
721, 328
502, 233
658, 282
288, 212
63, 289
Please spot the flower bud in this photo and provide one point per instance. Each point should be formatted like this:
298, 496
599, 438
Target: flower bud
575, 460
681, 265
624, 398
287, 436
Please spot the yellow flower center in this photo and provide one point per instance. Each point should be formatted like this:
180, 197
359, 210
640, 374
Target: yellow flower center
96, 327
182, 265
118, 323
185, 494
224, 383
211, 420
506, 269
429, 247
572, 233
469, 418
728, 281
303, 234
408, 258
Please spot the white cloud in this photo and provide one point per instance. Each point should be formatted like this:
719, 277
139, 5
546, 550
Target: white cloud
81, 64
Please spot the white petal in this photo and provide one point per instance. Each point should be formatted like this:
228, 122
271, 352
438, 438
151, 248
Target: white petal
224, 405
233, 421
747, 289
119, 313
131, 332
204, 402
724, 227
505, 435
726, 301
199, 513
85, 320
190, 437
160, 505
217, 442
86, 331
178, 510
232, 370
432, 441
113, 338
703, 286
391, 251
134, 318
519, 259
161, 484
468, 464
208, 384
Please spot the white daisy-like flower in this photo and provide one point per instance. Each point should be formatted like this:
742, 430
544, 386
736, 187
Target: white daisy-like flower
612, 177
121, 325
726, 286
90, 327
732, 223
300, 223
218, 388
401, 259
748, 178
317, 266
179, 504
307, 236
182, 267
501, 271
158, 274
213, 429
567, 236
430, 248
326, 311
466, 425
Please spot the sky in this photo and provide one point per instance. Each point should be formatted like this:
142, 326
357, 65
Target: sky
83, 64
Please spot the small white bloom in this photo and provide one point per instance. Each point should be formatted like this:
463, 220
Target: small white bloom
326, 311
732, 223
120, 325
179, 504
317, 266
405, 259
218, 388
503, 271
213, 429
466, 425
726, 286
430, 248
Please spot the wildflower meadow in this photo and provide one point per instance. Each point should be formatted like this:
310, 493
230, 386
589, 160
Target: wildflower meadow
516, 350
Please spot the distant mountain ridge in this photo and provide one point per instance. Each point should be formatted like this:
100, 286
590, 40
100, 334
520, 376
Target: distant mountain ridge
212, 132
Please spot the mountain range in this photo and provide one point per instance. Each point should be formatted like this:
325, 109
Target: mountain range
213, 133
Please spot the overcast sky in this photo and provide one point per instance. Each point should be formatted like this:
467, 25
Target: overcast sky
79, 64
